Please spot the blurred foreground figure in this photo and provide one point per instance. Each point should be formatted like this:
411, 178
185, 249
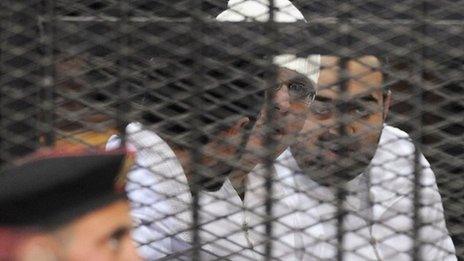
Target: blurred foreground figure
58, 205
346, 147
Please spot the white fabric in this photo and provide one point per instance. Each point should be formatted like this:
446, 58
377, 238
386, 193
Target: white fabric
307, 66
285, 12
161, 205
306, 222
258, 10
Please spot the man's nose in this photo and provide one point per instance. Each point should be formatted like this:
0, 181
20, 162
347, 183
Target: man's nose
282, 100
338, 124
329, 135
336, 131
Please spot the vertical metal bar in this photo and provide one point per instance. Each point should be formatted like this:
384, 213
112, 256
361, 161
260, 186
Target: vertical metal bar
48, 81
124, 52
271, 31
196, 53
3, 37
18, 14
341, 116
418, 84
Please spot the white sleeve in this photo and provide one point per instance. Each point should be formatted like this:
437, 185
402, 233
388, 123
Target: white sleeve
159, 195
436, 242
392, 178
397, 220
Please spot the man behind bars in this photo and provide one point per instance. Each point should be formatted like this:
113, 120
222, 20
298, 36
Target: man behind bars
161, 195
162, 201
65, 205
160, 188
345, 145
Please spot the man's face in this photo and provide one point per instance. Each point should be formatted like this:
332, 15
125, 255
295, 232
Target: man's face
74, 91
291, 98
100, 235
342, 131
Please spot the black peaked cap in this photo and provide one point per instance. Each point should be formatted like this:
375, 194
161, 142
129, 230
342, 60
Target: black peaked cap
48, 191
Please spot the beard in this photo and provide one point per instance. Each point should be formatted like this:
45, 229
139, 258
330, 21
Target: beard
333, 168
214, 183
211, 185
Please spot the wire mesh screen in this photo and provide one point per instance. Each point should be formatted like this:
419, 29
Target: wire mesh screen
263, 129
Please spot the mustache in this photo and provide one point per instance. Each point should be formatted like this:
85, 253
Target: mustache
346, 148
315, 156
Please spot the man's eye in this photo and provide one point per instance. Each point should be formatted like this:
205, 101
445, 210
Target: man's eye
298, 90
296, 87
360, 110
114, 243
115, 239
321, 108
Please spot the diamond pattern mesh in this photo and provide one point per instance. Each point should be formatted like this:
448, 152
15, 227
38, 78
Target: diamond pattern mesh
353, 155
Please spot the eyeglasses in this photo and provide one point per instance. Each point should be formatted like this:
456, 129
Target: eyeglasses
298, 90
301, 91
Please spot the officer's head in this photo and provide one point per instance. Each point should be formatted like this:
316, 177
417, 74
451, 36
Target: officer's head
65, 206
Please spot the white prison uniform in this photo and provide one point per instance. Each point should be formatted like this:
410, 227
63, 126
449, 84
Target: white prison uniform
307, 221
161, 206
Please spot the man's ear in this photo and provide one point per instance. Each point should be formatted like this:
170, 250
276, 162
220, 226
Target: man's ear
386, 104
41, 247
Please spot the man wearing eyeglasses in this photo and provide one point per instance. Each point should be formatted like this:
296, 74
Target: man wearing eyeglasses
292, 95
160, 188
